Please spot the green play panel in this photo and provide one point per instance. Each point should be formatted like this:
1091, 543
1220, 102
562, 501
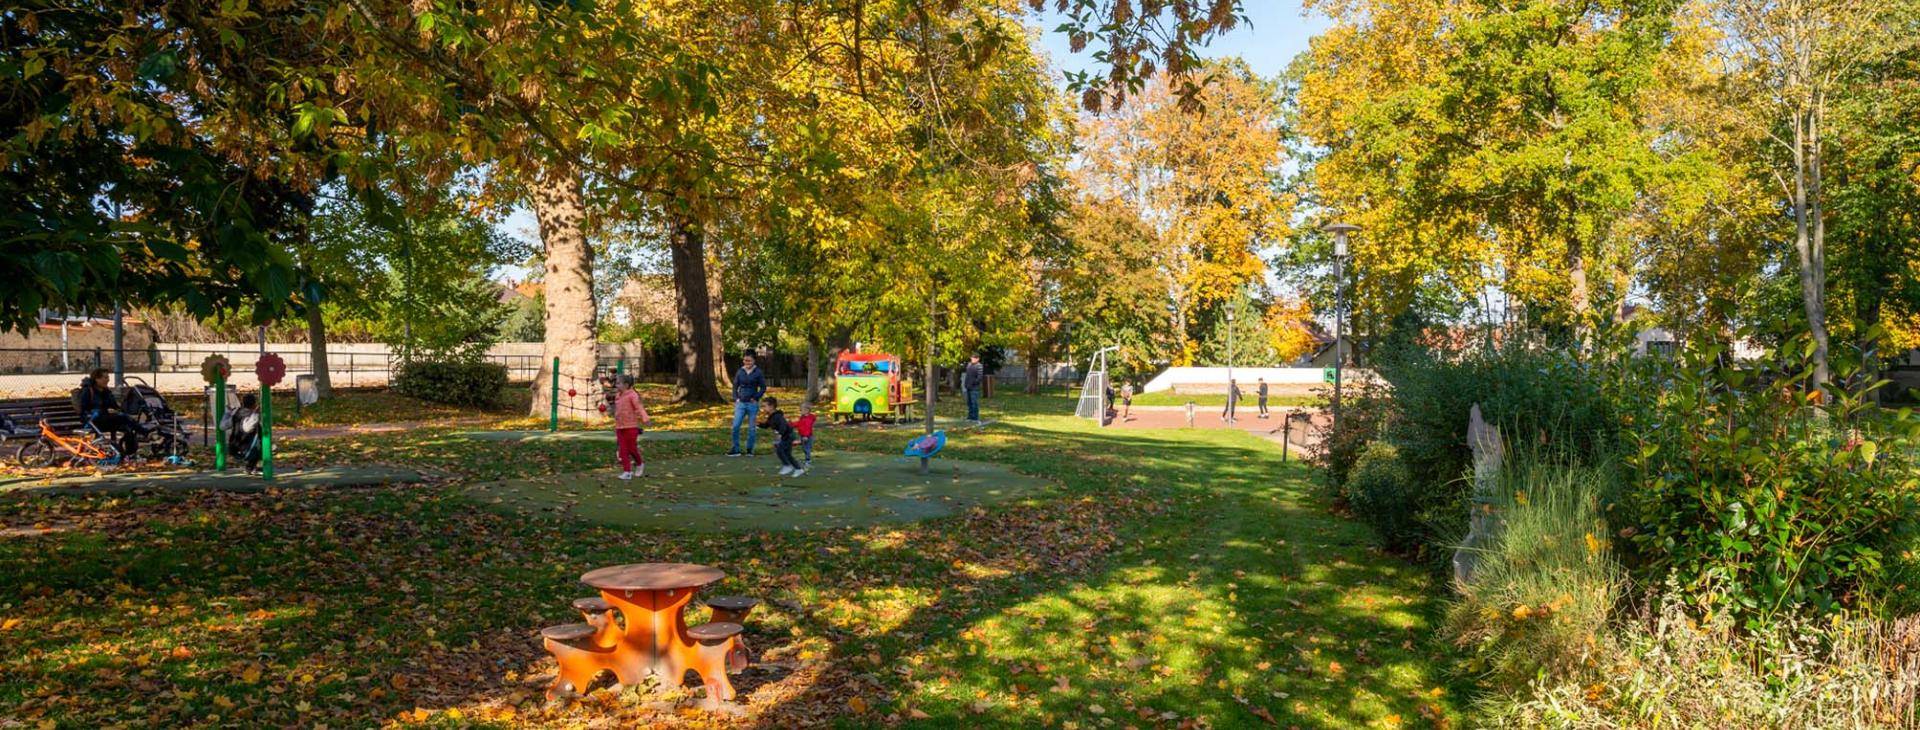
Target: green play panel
717, 493
229, 481
604, 436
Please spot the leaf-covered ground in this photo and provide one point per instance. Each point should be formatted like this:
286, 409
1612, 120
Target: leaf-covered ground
1163, 579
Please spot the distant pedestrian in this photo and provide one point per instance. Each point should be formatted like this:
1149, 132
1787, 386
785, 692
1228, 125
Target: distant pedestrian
749, 386
1233, 402
1126, 401
971, 382
1263, 397
629, 417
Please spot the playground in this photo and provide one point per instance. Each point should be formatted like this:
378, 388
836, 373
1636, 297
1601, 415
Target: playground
402, 576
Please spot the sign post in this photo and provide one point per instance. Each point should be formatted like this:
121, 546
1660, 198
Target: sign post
270, 369
214, 370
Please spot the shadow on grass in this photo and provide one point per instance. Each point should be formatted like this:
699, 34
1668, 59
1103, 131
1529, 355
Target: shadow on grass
1179, 575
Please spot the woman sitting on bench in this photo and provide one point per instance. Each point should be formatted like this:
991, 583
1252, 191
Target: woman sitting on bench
100, 408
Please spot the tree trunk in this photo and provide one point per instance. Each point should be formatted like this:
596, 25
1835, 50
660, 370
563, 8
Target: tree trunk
696, 369
1578, 298
716, 306
1033, 369
813, 370
1806, 243
569, 296
317, 349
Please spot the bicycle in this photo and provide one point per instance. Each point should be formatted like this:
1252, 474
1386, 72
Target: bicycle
85, 448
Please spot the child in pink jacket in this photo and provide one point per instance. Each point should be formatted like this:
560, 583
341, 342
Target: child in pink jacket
629, 414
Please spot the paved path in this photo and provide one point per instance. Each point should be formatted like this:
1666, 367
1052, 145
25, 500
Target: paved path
1247, 419
232, 480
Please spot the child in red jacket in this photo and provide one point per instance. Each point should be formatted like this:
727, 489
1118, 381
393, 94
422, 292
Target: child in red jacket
804, 428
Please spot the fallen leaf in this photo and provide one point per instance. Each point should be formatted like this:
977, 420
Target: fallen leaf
859, 705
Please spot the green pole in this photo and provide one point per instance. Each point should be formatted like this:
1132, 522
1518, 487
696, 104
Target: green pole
219, 424
553, 409
266, 432
620, 366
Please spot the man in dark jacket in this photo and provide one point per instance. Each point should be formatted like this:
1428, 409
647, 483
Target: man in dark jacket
970, 381
99, 407
749, 386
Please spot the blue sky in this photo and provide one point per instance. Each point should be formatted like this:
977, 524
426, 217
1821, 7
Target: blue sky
1275, 32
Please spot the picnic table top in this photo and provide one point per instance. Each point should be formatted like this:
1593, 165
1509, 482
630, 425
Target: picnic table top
651, 576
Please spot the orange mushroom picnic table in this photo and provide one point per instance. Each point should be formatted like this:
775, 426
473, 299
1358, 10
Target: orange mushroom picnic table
652, 597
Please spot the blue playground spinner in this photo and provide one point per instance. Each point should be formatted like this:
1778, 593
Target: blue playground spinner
927, 446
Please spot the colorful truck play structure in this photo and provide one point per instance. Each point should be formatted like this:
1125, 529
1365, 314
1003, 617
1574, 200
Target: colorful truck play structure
870, 385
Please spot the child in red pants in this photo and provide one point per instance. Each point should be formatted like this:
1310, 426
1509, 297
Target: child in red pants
629, 414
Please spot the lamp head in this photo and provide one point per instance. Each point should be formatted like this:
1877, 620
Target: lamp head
1340, 231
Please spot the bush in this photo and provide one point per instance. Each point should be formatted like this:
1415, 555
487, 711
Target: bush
454, 382
1338, 444
1541, 593
1671, 671
1382, 493
1761, 496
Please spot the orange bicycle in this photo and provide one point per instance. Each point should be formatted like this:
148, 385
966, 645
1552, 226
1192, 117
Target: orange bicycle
89, 447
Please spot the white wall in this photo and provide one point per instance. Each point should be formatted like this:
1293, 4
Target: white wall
1217, 377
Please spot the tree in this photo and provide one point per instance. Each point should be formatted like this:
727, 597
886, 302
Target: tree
1796, 55
1202, 181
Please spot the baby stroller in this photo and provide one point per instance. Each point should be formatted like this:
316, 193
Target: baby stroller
168, 436
243, 433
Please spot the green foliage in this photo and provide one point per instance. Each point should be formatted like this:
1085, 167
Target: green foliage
526, 320
1383, 494
1544, 588
1543, 399
1364, 410
1758, 494
453, 382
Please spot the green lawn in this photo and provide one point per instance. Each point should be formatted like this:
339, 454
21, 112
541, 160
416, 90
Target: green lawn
1159, 578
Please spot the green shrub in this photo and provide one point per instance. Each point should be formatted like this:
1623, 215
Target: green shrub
1761, 496
1673, 671
1539, 400
1543, 588
454, 382
1382, 493
1338, 444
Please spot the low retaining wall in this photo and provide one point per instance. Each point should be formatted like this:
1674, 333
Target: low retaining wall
1214, 380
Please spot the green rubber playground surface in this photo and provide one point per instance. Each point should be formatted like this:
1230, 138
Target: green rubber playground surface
720, 494
598, 435
232, 480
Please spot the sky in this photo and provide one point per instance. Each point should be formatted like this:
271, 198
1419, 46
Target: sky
1275, 32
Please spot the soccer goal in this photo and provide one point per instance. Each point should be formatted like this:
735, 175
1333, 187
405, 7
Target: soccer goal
1093, 390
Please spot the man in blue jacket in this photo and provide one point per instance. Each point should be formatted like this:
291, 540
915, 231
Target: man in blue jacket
749, 385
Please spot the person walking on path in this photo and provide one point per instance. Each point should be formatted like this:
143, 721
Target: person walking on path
629, 415
1233, 402
1263, 397
749, 386
784, 437
971, 381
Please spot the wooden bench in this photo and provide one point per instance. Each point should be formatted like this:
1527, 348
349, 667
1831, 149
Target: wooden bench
27, 413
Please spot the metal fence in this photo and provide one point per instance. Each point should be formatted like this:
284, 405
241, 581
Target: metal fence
346, 367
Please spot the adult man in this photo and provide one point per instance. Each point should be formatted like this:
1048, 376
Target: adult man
1233, 402
1263, 397
970, 382
749, 386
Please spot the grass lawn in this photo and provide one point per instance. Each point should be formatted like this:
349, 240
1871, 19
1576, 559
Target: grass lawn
1155, 579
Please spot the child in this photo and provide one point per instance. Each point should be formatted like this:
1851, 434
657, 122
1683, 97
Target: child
783, 446
804, 427
243, 432
629, 414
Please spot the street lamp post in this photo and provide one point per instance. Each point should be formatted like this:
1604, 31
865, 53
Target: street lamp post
1340, 232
